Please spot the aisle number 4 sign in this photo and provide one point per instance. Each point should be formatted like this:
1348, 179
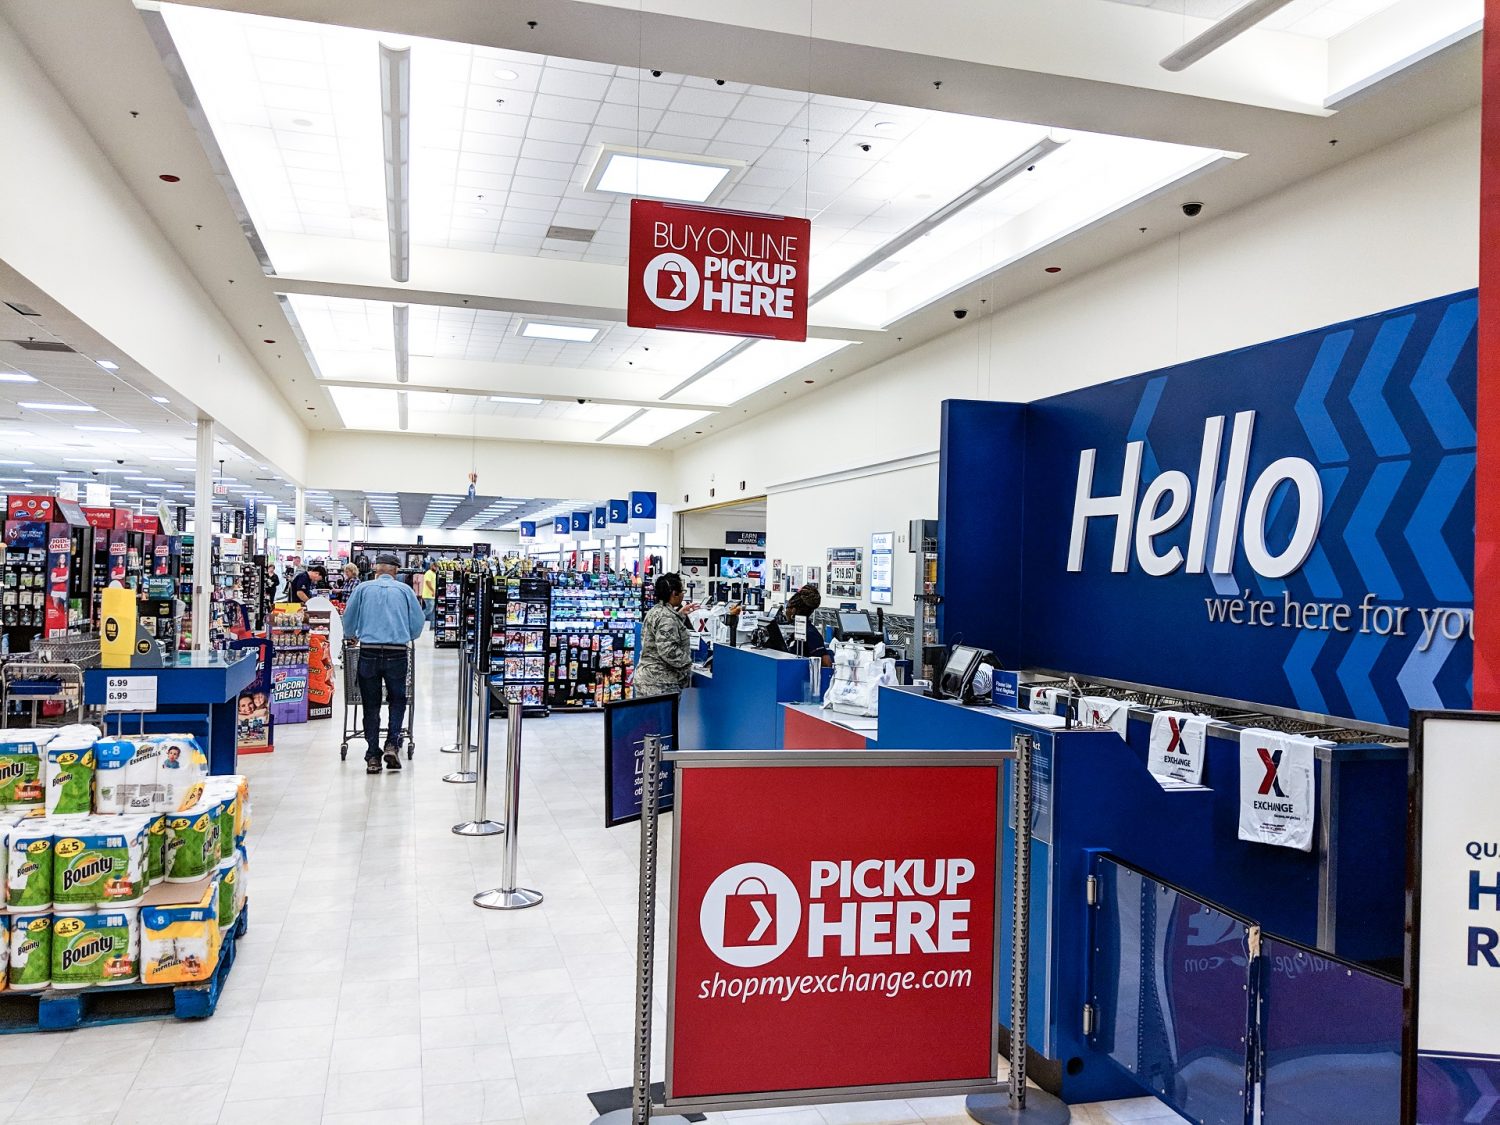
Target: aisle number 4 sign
130, 693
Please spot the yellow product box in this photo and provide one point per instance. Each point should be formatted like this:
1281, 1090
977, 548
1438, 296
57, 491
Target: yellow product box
180, 939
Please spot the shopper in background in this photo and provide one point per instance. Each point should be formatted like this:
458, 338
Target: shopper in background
351, 579
302, 585
288, 578
383, 617
429, 592
802, 604
665, 666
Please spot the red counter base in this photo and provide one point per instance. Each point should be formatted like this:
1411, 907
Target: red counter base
802, 731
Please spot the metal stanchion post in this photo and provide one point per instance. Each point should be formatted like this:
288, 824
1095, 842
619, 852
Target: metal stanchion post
508, 896
465, 772
482, 825
1018, 1105
639, 1112
463, 726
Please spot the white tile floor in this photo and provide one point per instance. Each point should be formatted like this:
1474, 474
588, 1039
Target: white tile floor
370, 990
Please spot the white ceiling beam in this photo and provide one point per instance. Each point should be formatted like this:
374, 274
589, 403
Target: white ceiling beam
549, 393
473, 279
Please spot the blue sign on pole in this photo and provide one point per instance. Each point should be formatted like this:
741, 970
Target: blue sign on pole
581, 521
528, 530
599, 519
626, 725
618, 513
561, 525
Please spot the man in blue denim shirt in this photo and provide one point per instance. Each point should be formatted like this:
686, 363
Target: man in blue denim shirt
384, 617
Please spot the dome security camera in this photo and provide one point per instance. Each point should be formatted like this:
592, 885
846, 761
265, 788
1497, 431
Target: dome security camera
959, 314
1192, 210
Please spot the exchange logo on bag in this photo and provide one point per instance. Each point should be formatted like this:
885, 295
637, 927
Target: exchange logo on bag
750, 915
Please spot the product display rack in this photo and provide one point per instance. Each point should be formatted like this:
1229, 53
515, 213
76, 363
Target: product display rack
290, 645
596, 632
446, 632
926, 652
23, 599
521, 649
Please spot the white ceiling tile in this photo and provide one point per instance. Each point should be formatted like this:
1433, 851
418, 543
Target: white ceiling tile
533, 202
767, 110
492, 144
485, 162
749, 132
560, 108
711, 102
564, 132
500, 101
574, 83
519, 219
567, 154
533, 186
689, 125
670, 142
298, 98
650, 93
631, 118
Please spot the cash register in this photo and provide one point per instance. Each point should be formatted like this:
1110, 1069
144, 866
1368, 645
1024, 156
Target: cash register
855, 625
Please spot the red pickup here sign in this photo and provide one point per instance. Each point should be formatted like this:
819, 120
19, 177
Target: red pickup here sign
697, 269
846, 940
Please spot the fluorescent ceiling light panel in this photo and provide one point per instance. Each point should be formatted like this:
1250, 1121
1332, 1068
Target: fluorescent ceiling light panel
680, 177
16, 377
516, 399
401, 329
163, 399
567, 333
62, 407
1231, 27
17, 462
109, 365
395, 134
108, 429
653, 425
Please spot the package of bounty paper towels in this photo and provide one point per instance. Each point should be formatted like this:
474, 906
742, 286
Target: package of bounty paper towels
97, 948
68, 775
192, 843
111, 757
28, 866
181, 769
30, 951
100, 862
21, 769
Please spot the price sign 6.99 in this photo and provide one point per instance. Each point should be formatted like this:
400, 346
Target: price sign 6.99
130, 693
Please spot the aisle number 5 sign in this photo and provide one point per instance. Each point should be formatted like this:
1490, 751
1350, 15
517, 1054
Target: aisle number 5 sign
130, 693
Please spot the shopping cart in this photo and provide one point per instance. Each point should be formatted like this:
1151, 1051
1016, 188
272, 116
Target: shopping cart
354, 718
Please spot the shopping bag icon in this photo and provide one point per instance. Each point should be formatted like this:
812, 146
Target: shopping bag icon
750, 916
671, 283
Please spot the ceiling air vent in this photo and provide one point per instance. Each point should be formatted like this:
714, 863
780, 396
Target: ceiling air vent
571, 234
41, 345
23, 310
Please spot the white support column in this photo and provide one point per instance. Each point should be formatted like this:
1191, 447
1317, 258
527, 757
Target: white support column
299, 533
203, 535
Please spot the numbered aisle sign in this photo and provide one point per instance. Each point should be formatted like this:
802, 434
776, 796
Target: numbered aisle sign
130, 693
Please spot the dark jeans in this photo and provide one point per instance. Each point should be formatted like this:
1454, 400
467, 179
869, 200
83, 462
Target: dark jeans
379, 667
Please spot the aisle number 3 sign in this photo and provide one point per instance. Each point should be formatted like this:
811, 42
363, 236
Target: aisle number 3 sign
698, 269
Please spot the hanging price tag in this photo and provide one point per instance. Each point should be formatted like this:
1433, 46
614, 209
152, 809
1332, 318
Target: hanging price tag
130, 693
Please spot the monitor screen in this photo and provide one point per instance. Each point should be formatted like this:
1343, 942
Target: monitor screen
745, 569
773, 635
958, 670
856, 622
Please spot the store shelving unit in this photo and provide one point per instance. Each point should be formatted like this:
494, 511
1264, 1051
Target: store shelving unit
596, 632
290, 645
520, 647
446, 632
926, 651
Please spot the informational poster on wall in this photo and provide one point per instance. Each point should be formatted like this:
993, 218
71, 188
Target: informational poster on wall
817, 953
1277, 790
693, 568
882, 567
1452, 1050
627, 724
845, 572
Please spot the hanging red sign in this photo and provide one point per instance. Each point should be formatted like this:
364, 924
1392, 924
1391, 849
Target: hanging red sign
698, 269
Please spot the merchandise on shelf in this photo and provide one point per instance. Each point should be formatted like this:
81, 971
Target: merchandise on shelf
518, 639
447, 614
290, 646
596, 629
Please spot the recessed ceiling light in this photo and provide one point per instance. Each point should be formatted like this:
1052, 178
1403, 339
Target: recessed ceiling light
16, 377
479, 210
109, 364
516, 398
885, 126
144, 480
14, 480
567, 333
662, 175
163, 399
506, 75
303, 122
17, 462
73, 407
109, 429
86, 461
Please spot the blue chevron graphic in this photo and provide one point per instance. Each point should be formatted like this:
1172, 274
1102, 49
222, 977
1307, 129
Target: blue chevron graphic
1368, 394
1301, 671
1364, 523
1425, 531
1430, 387
1354, 675
1312, 403
1418, 676
1140, 425
1321, 580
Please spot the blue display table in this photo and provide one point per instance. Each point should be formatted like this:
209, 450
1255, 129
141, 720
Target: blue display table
737, 706
197, 695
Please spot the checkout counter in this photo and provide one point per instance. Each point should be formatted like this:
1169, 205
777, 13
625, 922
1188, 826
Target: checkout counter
1094, 798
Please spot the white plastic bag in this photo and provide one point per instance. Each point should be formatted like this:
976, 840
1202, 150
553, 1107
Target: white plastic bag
858, 673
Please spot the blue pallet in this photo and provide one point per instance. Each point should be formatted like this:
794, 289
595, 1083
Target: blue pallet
64, 1010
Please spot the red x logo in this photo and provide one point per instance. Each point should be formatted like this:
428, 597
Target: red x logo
1272, 762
